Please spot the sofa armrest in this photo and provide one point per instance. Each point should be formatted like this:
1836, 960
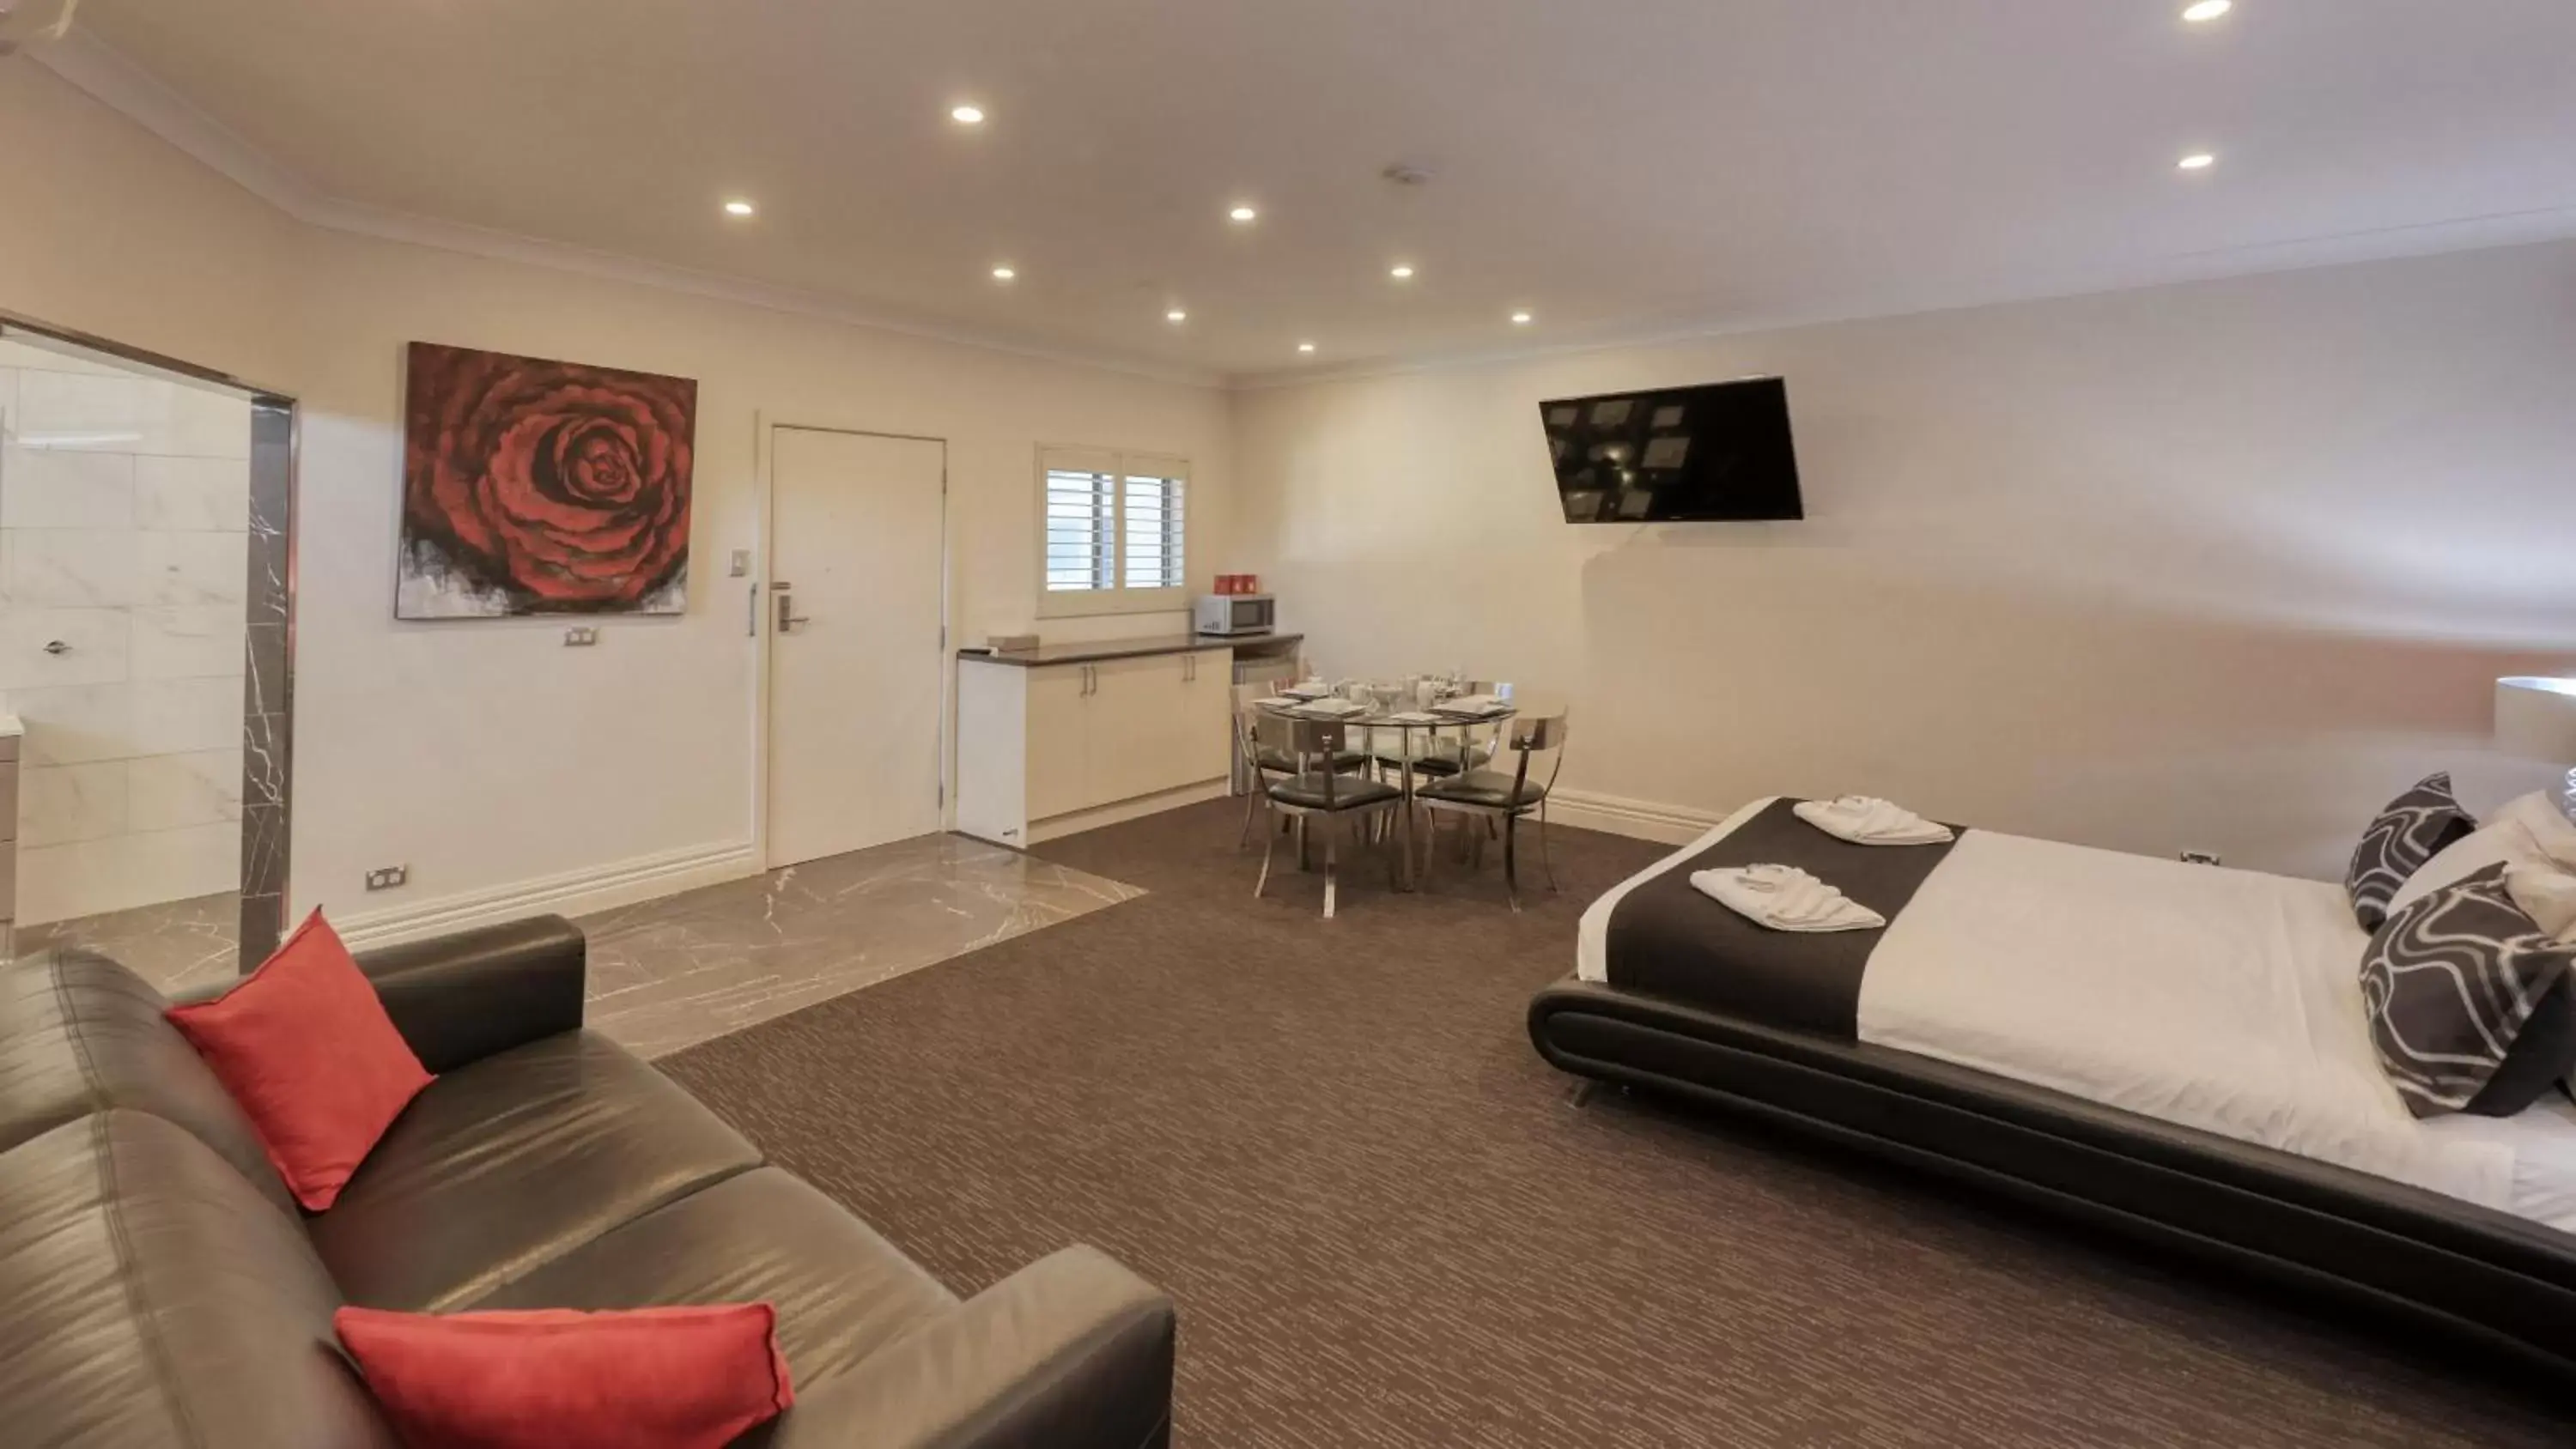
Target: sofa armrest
458, 999
1071, 1352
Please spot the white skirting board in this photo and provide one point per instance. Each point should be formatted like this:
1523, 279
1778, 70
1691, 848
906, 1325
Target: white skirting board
626, 882
1642, 819
573, 893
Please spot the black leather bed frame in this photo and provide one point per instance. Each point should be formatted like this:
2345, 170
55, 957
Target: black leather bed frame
2500, 1284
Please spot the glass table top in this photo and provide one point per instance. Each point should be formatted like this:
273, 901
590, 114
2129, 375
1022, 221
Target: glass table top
1396, 707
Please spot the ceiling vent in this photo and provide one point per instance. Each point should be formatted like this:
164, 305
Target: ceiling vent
25, 23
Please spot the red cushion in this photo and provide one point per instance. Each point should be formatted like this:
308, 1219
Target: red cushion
553, 1378
307, 1050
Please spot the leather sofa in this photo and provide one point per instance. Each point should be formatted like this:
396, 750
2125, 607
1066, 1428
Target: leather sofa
161, 1288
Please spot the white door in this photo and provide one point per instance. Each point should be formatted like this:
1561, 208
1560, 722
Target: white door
853, 617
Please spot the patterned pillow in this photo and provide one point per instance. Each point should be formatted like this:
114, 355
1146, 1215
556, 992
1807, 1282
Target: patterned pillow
2416, 826
2471, 1007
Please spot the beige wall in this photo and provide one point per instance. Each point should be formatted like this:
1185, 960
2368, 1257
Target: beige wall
484, 754
2212, 566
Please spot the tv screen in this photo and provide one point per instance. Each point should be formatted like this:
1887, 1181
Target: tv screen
1718, 452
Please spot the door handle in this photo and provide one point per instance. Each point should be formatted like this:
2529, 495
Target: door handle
787, 620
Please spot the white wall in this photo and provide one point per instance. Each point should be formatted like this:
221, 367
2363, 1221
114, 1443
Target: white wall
484, 754
2213, 566
124, 516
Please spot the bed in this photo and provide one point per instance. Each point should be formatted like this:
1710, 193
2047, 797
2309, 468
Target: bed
2169, 1050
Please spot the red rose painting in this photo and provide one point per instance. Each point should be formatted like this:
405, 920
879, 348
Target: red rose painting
535, 487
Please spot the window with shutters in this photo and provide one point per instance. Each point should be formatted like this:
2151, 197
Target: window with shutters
1115, 532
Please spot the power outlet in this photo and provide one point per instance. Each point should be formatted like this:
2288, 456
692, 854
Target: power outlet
2200, 857
581, 636
385, 878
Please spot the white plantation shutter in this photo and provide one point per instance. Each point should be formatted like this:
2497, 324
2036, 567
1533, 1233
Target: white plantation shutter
1081, 530
1115, 535
1151, 530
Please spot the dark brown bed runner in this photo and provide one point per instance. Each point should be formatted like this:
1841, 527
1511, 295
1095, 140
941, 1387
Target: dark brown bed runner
1666, 939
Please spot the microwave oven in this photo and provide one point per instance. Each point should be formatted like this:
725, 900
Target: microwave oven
1237, 614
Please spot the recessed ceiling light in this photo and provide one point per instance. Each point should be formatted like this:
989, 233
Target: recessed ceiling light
1521, 319
1242, 213
2207, 10
738, 208
1305, 347
1400, 272
967, 115
1176, 315
1004, 274
2197, 161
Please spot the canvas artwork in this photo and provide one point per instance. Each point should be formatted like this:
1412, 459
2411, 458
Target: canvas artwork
537, 487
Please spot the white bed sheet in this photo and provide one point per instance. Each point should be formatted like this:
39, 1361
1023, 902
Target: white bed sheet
2543, 1143
2225, 1000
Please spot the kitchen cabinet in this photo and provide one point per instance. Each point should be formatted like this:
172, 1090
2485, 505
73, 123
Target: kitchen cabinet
1043, 743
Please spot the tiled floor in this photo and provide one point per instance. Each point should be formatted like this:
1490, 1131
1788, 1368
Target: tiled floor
176, 945
673, 972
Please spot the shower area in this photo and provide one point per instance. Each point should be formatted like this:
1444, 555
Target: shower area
145, 634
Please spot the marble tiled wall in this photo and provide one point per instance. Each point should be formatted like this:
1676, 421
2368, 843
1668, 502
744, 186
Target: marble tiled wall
124, 529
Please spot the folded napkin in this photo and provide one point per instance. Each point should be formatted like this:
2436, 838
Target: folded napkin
1868, 820
1413, 717
1307, 689
1278, 701
1334, 707
1785, 898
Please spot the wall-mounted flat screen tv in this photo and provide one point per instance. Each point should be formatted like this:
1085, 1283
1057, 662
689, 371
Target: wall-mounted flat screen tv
1714, 453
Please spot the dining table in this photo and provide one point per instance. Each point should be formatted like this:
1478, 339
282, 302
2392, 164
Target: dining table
1411, 712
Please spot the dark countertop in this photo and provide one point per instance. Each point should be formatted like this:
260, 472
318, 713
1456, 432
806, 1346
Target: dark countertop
1136, 648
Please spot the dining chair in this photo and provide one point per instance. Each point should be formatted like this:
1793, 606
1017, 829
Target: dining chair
1261, 764
1439, 755
1494, 797
1330, 794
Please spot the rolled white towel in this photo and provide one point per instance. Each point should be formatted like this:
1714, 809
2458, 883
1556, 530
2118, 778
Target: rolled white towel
1868, 820
1784, 898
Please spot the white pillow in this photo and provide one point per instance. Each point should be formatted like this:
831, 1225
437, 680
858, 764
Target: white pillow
2547, 894
2530, 831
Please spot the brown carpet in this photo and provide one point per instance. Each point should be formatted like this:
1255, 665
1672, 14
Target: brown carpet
1385, 1222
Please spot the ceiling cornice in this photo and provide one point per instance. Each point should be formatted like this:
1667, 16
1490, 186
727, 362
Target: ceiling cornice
2507, 229
111, 78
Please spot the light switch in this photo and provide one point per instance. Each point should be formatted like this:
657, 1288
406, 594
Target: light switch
740, 567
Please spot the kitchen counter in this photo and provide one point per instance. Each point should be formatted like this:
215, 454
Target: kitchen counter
1093, 653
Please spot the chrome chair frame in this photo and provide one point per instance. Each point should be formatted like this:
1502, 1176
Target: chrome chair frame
1247, 748
1525, 735
1318, 741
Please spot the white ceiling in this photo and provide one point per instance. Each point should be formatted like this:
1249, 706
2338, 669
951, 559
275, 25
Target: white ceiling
1620, 167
